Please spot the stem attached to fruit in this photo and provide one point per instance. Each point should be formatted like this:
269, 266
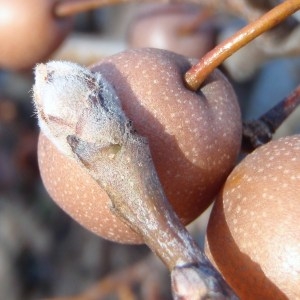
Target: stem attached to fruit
258, 132
126, 172
196, 75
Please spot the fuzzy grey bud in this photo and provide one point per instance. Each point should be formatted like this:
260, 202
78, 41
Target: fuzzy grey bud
71, 100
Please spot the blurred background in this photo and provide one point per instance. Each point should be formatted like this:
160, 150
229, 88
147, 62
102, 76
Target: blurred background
43, 252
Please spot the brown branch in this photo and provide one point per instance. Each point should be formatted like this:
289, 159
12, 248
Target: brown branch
195, 76
194, 23
241, 8
260, 131
72, 7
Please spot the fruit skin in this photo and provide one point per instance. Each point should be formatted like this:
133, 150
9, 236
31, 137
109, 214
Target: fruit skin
79, 195
159, 26
29, 32
253, 235
194, 140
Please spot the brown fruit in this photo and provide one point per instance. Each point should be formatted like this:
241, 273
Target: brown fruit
29, 32
253, 235
163, 26
194, 139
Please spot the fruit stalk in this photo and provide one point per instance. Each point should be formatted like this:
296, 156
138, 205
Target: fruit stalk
196, 75
127, 174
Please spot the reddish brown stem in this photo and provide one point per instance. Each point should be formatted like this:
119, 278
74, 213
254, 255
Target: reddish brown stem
66, 8
195, 76
260, 131
71, 7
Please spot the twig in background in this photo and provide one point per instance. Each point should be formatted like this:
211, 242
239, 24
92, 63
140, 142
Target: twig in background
260, 131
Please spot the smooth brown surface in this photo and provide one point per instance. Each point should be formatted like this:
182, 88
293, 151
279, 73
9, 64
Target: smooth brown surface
28, 32
253, 235
194, 139
162, 26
